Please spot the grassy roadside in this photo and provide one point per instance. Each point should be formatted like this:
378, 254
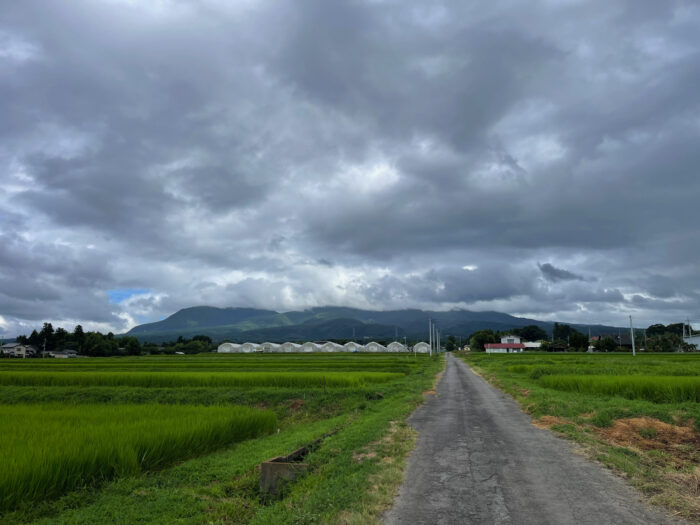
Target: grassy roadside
353, 475
654, 445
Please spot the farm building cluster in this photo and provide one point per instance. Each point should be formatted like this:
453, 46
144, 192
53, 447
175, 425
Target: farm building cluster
308, 347
510, 344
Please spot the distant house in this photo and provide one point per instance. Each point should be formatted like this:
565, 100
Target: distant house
510, 344
692, 340
352, 346
533, 345
65, 354
421, 348
396, 347
18, 350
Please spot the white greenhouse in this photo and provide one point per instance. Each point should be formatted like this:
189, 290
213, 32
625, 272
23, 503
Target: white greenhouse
310, 347
352, 346
332, 347
289, 348
248, 348
396, 347
375, 347
270, 347
228, 348
421, 348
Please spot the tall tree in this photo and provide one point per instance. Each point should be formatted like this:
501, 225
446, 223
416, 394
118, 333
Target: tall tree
531, 332
480, 338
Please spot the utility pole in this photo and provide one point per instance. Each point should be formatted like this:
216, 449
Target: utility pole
634, 352
430, 335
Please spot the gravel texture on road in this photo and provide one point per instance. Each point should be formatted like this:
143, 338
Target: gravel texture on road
480, 460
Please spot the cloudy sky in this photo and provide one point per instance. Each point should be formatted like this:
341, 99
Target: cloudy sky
540, 158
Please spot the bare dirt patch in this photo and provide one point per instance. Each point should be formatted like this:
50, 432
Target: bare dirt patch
647, 433
296, 404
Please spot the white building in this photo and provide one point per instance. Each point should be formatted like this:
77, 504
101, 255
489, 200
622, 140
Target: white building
18, 350
396, 347
532, 346
510, 338
692, 340
421, 348
352, 346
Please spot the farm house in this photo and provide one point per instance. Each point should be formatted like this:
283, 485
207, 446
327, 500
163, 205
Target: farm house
510, 344
396, 347
352, 346
421, 348
228, 348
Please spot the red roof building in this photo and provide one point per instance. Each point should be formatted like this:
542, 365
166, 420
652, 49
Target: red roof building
503, 348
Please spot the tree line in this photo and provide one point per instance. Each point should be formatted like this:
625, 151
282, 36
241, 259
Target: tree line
656, 338
97, 344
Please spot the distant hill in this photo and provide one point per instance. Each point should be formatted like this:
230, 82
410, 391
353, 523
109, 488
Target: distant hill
331, 322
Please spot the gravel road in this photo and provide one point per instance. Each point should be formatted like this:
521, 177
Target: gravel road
480, 460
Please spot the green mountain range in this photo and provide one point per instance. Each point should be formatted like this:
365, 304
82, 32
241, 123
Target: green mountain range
331, 322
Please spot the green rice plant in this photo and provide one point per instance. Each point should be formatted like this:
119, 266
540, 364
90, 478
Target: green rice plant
204, 379
50, 449
657, 389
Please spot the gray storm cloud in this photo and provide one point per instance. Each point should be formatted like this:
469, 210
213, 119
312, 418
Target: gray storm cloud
295, 154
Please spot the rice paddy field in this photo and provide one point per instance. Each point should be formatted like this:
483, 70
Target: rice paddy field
639, 415
180, 438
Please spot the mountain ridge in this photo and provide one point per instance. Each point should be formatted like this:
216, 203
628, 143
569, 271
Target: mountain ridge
331, 322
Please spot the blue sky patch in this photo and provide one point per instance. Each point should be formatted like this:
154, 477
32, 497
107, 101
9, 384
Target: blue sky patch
121, 294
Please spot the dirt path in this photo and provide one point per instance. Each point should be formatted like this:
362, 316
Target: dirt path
480, 460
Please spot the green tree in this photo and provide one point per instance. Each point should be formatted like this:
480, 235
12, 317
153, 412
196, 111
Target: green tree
34, 339
133, 347
480, 338
78, 337
47, 337
578, 341
61, 338
605, 344
451, 344
531, 332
